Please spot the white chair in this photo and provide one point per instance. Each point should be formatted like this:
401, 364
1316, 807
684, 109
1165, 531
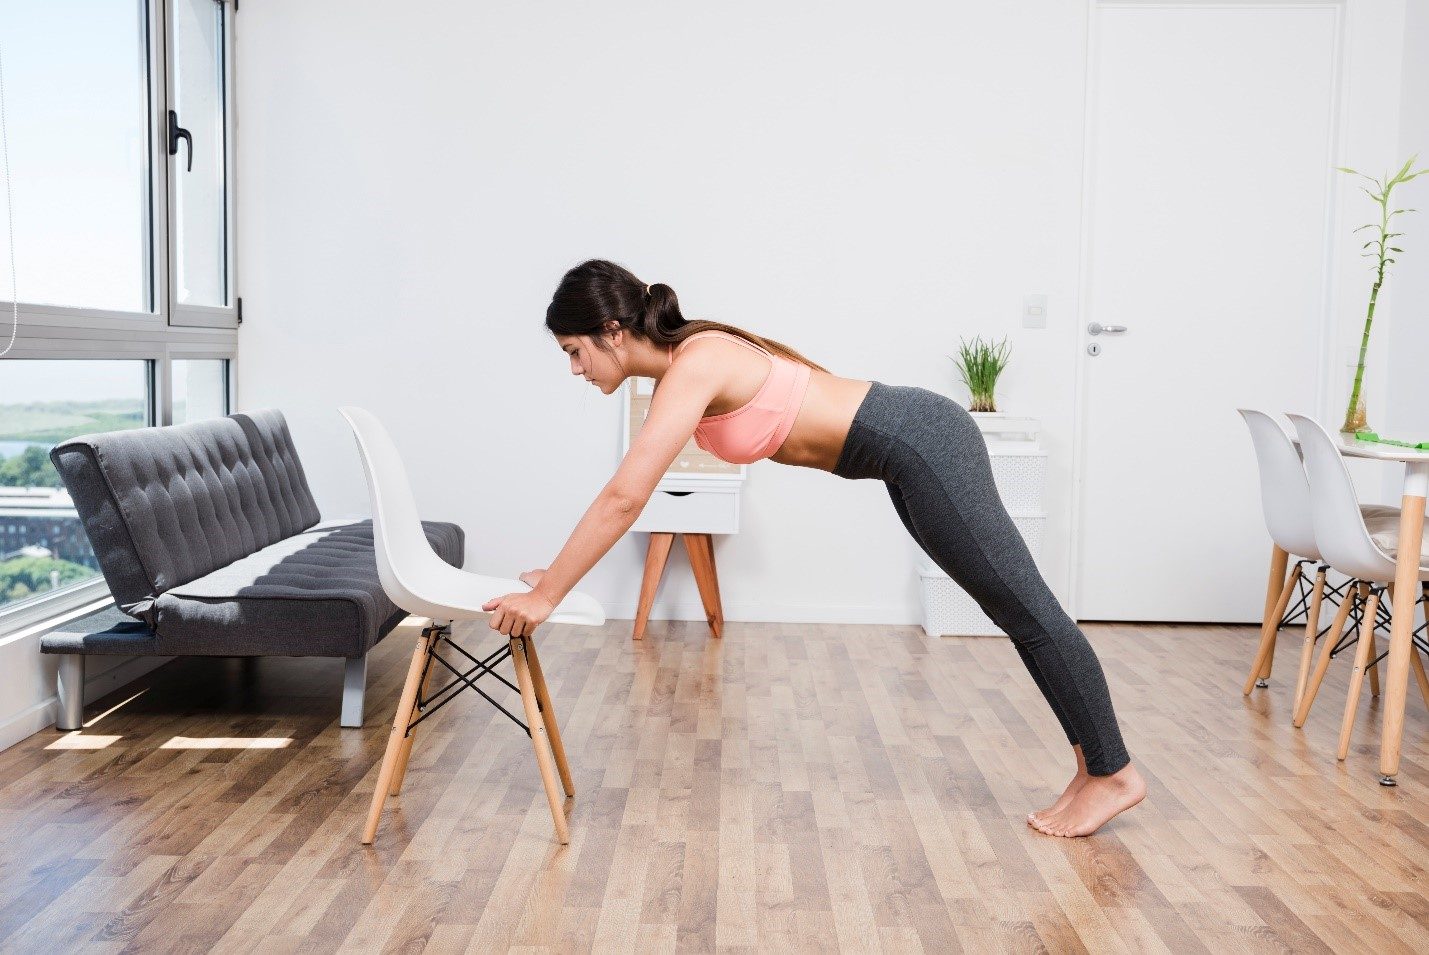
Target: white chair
420, 582
1357, 548
1285, 503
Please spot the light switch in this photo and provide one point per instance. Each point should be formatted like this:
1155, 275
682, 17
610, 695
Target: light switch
1034, 311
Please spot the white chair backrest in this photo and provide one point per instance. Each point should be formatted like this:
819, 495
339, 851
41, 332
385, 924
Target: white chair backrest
1335, 508
1284, 489
403, 552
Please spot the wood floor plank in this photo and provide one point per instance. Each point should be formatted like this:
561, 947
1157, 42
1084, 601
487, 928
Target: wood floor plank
790, 786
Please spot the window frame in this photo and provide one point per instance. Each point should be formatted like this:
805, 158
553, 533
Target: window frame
162, 334
204, 316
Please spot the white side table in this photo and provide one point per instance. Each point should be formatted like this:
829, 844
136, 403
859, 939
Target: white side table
698, 497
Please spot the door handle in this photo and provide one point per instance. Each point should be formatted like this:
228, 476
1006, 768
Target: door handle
177, 132
1097, 328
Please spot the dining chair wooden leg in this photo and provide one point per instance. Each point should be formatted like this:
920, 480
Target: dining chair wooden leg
1419, 675
539, 738
548, 717
1332, 637
1362, 652
400, 723
399, 772
1373, 666
1279, 559
1267, 637
1312, 628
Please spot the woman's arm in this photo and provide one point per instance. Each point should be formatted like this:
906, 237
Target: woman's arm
605, 522
675, 409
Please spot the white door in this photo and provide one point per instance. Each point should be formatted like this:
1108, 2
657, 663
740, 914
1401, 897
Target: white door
1210, 166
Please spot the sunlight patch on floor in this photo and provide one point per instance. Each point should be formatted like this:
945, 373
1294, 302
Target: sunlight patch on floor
228, 742
77, 740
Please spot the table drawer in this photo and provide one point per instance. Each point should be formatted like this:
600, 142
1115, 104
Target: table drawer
690, 512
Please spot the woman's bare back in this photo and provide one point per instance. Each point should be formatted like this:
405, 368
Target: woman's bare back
823, 420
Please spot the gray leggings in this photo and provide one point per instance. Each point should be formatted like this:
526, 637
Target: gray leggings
930, 453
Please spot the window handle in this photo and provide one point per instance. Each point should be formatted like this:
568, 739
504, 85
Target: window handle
177, 132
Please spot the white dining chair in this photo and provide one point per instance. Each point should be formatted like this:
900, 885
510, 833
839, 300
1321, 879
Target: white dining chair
421, 583
1356, 547
1285, 504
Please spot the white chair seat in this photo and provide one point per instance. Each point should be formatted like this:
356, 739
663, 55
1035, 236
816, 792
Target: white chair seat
1382, 522
459, 595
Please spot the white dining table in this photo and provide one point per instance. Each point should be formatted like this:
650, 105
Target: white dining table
1406, 588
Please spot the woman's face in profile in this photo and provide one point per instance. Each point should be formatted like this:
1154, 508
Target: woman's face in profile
591, 363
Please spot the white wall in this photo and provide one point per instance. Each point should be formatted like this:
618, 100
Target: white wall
864, 182
1406, 412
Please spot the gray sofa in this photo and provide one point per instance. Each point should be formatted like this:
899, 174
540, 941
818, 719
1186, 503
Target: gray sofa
212, 545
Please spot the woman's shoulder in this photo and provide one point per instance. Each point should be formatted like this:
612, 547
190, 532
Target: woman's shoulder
718, 335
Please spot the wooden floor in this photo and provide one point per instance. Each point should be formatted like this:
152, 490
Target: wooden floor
799, 787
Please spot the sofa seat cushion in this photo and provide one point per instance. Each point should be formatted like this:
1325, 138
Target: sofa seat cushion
315, 593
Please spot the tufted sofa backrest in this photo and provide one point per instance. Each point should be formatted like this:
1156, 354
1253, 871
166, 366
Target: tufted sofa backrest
164, 506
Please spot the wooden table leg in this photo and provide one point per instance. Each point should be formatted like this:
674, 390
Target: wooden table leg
1406, 585
657, 554
700, 548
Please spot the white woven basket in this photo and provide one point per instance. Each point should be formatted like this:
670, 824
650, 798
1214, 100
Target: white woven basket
947, 608
1020, 477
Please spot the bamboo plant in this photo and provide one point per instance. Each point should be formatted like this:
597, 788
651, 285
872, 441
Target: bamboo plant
1356, 418
979, 363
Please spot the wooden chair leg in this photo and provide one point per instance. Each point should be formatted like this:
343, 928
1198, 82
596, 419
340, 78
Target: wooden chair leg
1419, 674
1373, 667
1312, 628
1362, 652
399, 731
539, 738
1279, 559
399, 773
1337, 628
1420, 677
548, 717
1267, 637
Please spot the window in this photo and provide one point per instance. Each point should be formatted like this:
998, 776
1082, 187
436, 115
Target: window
200, 167
200, 388
121, 140
43, 548
79, 153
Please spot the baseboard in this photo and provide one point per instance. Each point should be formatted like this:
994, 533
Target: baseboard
889, 614
42, 714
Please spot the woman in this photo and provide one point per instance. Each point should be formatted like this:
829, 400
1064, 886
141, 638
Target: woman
745, 398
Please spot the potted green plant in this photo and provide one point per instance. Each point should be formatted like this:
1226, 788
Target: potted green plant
980, 363
1356, 418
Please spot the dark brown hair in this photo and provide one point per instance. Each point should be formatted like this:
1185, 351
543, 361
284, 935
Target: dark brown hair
597, 292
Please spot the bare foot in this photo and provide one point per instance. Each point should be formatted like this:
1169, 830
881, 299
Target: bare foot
1077, 781
1098, 800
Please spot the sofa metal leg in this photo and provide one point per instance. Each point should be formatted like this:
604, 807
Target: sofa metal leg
71, 692
354, 689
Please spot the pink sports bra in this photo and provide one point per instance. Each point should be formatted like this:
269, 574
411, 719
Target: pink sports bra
755, 431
